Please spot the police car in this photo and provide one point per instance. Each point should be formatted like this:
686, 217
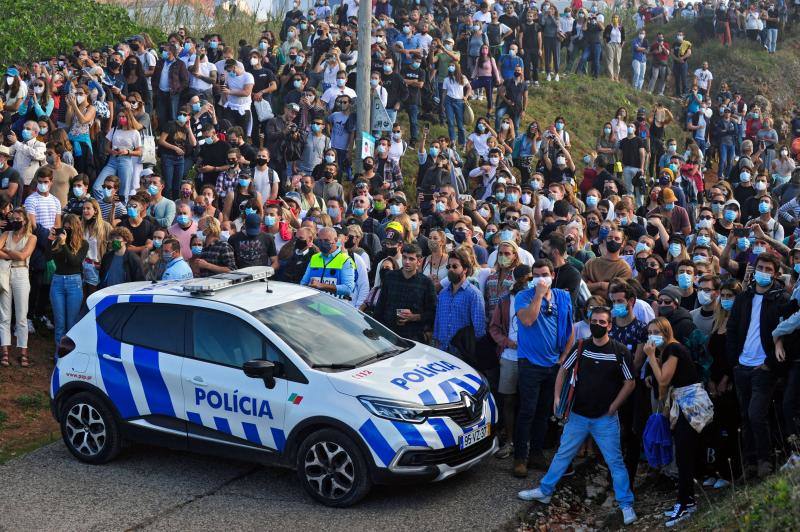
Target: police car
238, 366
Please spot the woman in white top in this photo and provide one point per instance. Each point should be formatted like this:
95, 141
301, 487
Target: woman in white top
456, 87
124, 145
478, 139
435, 265
238, 91
329, 65
614, 35
16, 246
619, 124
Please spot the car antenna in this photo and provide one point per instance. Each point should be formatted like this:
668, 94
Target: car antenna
269, 290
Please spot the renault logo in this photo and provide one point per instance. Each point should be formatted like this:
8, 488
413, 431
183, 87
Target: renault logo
472, 406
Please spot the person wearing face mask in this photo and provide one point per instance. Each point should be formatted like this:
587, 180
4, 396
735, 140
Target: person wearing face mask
78, 194
294, 258
62, 172
600, 271
251, 246
675, 373
161, 209
120, 264
236, 186
660, 52
124, 144
171, 78
175, 142
751, 352
11, 185
685, 277
512, 95
183, 228
782, 167
331, 270
28, 152
640, 48
669, 307
708, 294
43, 206
565, 275
175, 266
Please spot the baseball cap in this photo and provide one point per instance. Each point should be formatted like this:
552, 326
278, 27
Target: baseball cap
668, 195
252, 224
294, 107
293, 196
394, 237
733, 202
5, 150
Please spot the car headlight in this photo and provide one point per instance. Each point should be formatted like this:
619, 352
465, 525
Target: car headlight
395, 410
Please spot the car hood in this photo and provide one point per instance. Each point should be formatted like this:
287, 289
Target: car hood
422, 375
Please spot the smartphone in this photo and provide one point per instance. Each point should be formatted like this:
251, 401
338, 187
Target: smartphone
464, 197
740, 232
60, 231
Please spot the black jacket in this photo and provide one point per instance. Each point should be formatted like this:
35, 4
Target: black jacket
682, 324
131, 263
774, 305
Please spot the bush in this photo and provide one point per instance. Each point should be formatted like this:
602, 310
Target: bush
34, 30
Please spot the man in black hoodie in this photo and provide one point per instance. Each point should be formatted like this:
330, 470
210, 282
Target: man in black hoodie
751, 353
669, 306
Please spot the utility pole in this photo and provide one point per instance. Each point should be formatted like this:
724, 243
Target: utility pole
363, 73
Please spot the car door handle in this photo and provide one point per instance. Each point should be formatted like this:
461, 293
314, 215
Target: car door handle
112, 358
198, 381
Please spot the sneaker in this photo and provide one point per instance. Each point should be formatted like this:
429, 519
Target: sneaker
721, 483
628, 515
505, 451
47, 323
534, 495
536, 84
682, 514
31, 328
557, 78
537, 461
548, 77
709, 482
691, 507
520, 469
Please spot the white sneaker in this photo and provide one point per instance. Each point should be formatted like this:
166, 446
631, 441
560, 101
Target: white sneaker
504, 451
47, 322
534, 495
548, 77
31, 328
691, 508
557, 78
628, 515
721, 483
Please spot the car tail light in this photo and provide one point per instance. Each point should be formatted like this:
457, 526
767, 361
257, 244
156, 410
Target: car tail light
65, 346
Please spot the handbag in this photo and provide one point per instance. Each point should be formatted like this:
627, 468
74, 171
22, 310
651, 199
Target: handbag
263, 110
567, 394
149, 147
469, 114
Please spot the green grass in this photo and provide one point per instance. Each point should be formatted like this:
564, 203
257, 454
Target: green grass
774, 504
20, 449
3, 418
33, 401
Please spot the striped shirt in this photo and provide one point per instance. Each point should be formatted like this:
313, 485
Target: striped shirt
45, 208
602, 370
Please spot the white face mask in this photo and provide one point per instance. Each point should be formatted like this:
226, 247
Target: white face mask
561, 161
494, 161
254, 61
38, 90
80, 98
524, 226
548, 281
9, 80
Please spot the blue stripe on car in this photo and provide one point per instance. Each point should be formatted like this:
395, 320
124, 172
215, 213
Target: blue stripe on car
448, 390
139, 298
410, 433
222, 424
475, 378
155, 389
427, 398
458, 382
194, 417
441, 429
251, 432
491, 408
115, 379
377, 442
279, 437
54, 382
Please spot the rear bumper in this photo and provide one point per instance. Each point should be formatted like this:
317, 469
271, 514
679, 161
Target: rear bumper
437, 465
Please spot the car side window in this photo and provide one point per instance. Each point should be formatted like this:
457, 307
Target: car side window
147, 327
224, 339
113, 318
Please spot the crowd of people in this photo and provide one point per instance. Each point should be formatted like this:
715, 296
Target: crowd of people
649, 275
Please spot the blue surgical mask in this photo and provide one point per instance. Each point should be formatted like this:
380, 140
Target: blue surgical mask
685, 280
152, 190
742, 244
591, 201
157, 243
619, 310
196, 250
762, 278
763, 207
674, 249
500, 195
394, 210
77, 192
656, 339
195, 107
244, 182
330, 159
603, 232
669, 206
726, 304
433, 152
316, 128
440, 206
623, 221
703, 240
797, 268
182, 219
758, 250
744, 177
269, 221
373, 83
511, 197
26, 135
249, 210
730, 215
132, 213
333, 212
359, 211
481, 127
641, 246
506, 234
415, 65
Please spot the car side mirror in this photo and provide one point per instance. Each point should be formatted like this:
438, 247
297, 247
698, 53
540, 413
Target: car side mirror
261, 369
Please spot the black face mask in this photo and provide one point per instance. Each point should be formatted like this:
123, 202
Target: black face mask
453, 277
368, 166
383, 273
650, 272
592, 225
350, 242
389, 251
459, 236
261, 161
598, 331
613, 246
641, 264
300, 245
14, 226
305, 189
665, 310
198, 210
652, 230
134, 47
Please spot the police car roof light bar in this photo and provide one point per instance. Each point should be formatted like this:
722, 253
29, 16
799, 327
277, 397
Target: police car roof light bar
221, 281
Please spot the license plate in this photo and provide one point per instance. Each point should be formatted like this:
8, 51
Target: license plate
471, 438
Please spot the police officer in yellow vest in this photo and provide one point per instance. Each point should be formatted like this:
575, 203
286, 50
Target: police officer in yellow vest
331, 270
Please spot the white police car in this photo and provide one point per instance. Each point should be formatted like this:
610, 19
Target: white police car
268, 372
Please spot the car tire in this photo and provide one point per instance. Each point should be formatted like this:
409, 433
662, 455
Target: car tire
332, 468
90, 429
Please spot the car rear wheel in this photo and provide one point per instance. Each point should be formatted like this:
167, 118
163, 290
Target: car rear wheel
89, 429
332, 469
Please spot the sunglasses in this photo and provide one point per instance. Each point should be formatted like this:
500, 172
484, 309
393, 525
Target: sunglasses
452, 266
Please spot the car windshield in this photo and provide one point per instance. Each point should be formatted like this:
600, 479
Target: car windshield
328, 332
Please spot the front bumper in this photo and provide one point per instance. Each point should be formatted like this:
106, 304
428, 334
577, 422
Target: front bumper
435, 464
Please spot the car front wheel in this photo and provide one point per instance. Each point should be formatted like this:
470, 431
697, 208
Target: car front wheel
89, 429
332, 469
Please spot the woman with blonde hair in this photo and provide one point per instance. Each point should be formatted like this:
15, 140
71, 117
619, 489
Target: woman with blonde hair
96, 231
217, 256
435, 264
690, 411
405, 220
124, 147
69, 250
16, 246
79, 118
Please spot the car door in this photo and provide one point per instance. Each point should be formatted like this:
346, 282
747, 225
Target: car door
223, 405
140, 348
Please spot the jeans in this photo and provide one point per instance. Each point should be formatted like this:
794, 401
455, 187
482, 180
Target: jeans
166, 107
725, 160
531, 60
628, 173
639, 68
772, 39
413, 119
658, 75
686, 451
172, 166
455, 118
66, 295
605, 432
595, 51
550, 45
754, 389
536, 384
487, 83
238, 119
680, 71
118, 165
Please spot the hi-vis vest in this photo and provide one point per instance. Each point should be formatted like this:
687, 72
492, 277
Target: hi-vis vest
329, 272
